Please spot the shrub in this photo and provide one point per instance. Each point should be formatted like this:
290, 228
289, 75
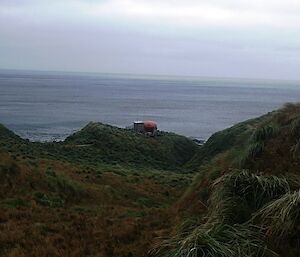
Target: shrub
9, 170
46, 200
62, 185
147, 202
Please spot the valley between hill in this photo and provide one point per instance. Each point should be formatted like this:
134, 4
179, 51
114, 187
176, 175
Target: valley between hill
107, 191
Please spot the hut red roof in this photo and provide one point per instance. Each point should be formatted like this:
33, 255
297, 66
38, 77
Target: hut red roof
150, 125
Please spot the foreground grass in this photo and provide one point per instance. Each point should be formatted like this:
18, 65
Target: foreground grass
249, 215
246, 193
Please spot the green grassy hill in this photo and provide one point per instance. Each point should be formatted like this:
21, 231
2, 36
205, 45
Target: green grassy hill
7, 135
116, 145
104, 191
107, 191
98, 144
245, 199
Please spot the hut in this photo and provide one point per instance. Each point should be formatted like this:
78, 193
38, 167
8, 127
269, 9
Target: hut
138, 126
147, 127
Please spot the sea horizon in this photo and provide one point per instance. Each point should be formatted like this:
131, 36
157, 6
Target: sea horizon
46, 106
295, 82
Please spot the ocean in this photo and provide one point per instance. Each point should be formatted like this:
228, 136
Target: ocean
47, 106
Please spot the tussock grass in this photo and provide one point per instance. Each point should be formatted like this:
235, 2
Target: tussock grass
237, 194
257, 142
295, 127
264, 133
253, 151
247, 210
217, 240
228, 229
63, 185
296, 149
281, 217
286, 114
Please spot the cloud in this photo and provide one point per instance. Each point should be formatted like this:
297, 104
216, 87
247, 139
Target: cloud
196, 13
189, 13
197, 37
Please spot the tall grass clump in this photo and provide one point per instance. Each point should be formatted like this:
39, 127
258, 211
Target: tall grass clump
296, 149
253, 151
281, 217
62, 185
256, 143
216, 240
236, 195
264, 133
228, 229
295, 127
289, 112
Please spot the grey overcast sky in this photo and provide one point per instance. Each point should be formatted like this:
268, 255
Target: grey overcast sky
232, 38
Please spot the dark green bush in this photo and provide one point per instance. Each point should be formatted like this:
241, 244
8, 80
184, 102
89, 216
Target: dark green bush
50, 201
264, 133
62, 185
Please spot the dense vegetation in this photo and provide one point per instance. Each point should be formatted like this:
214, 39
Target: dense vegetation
244, 200
98, 144
117, 145
106, 191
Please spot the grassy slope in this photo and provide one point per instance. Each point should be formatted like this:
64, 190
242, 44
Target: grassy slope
245, 197
244, 201
117, 145
98, 144
103, 192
